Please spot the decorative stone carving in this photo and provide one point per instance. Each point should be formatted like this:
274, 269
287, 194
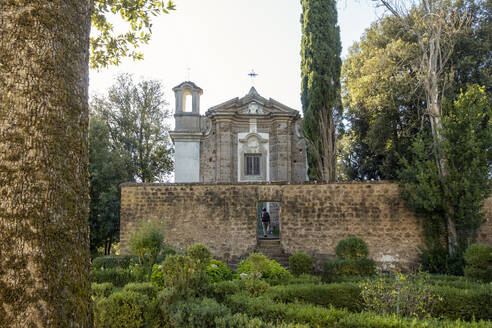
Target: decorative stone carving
207, 126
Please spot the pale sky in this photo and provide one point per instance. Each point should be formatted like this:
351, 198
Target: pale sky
221, 41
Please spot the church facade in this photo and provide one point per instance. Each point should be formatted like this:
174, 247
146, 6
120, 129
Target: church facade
247, 139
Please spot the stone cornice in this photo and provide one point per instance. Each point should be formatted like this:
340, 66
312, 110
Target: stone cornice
185, 136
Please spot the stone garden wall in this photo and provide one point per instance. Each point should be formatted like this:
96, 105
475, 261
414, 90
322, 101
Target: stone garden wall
313, 217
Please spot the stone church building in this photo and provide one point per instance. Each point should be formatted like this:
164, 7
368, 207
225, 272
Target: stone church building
248, 139
247, 152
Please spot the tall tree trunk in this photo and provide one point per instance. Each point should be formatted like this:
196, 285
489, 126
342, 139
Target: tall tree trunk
44, 244
328, 145
433, 65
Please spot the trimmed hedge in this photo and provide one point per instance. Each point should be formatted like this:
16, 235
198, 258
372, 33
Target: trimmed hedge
344, 295
300, 263
455, 281
303, 279
240, 320
348, 267
101, 290
118, 278
478, 259
352, 248
121, 309
114, 262
464, 304
316, 316
144, 288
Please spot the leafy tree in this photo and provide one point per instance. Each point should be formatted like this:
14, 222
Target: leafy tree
459, 196
107, 171
146, 242
135, 115
108, 47
436, 25
320, 84
467, 132
383, 103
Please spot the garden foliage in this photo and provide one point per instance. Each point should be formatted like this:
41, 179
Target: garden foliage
479, 262
352, 248
408, 296
300, 263
147, 242
218, 271
258, 266
353, 261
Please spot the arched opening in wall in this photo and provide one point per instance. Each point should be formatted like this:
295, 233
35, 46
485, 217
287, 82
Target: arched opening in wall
187, 101
268, 214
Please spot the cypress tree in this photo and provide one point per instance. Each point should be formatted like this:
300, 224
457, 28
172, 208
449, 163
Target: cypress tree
320, 86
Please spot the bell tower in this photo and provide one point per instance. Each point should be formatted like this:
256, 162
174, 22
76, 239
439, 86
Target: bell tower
187, 134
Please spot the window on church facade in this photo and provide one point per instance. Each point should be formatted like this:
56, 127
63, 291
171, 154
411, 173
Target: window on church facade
252, 166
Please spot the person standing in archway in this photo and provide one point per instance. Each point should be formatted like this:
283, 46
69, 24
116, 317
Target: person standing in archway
265, 221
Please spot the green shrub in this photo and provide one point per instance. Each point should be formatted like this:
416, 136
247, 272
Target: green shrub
118, 278
157, 276
255, 287
410, 296
198, 313
120, 310
480, 274
113, 262
438, 260
317, 316
352, 248
348, 267
218, 271
454, 281
258, 266
101, 290
199, 252
145, 288
146, 242
478, 262
464, 304
303, 279
222, 289
184, 274
139, 272
165, 251
343, 295
240, 320
300, 263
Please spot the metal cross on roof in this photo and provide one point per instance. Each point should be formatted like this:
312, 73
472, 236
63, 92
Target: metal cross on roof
252, 75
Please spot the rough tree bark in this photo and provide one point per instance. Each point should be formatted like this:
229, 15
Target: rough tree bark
44, 245
328, 145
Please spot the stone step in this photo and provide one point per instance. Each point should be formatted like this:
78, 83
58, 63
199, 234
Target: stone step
269, 249
265, 242
270, 253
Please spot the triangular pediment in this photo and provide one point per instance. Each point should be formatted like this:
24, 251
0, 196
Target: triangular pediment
252, 104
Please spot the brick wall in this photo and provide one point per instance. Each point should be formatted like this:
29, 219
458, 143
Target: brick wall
313, 217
